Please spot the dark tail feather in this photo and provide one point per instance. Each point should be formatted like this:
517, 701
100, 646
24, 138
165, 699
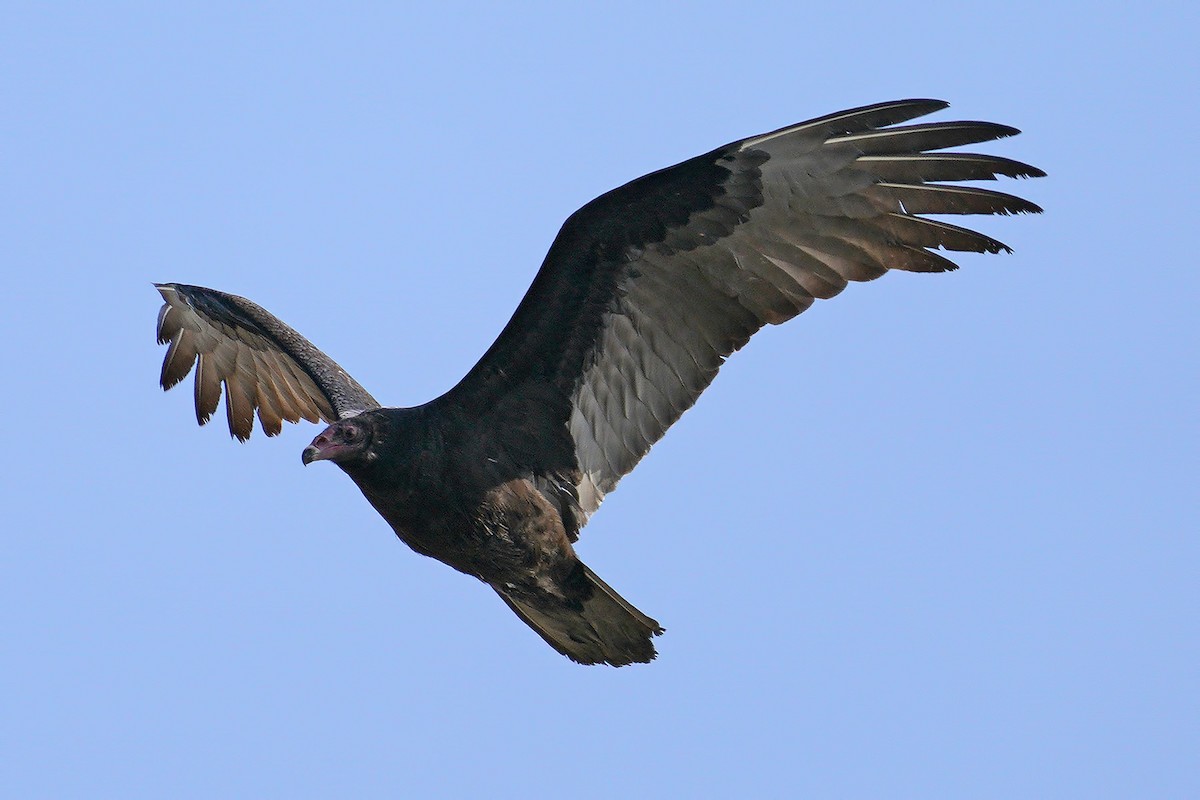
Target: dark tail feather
604, 629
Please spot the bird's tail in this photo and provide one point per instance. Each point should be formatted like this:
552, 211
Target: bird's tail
604, 628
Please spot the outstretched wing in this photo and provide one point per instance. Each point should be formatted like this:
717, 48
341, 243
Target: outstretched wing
649, 287
264, 364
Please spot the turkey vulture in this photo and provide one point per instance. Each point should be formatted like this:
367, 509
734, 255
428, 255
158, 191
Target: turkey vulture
644, 293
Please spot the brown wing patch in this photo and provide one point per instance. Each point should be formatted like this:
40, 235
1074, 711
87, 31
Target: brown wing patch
264, 366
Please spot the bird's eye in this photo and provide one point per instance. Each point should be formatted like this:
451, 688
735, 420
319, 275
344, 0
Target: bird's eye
353, 432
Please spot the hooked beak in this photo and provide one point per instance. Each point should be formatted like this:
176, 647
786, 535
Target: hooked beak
320, 450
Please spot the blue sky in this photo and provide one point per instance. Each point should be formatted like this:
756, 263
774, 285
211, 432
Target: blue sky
935, 538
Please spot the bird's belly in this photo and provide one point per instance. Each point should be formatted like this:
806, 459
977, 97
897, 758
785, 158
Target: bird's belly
459, 541
512, 536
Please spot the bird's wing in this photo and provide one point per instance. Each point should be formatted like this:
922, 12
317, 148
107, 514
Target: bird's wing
264, 364
649, 287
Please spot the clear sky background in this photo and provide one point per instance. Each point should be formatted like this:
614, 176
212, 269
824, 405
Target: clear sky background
935, 538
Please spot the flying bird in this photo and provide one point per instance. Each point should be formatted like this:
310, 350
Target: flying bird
643, 294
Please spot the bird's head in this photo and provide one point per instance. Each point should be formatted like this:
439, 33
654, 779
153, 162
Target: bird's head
345, 441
